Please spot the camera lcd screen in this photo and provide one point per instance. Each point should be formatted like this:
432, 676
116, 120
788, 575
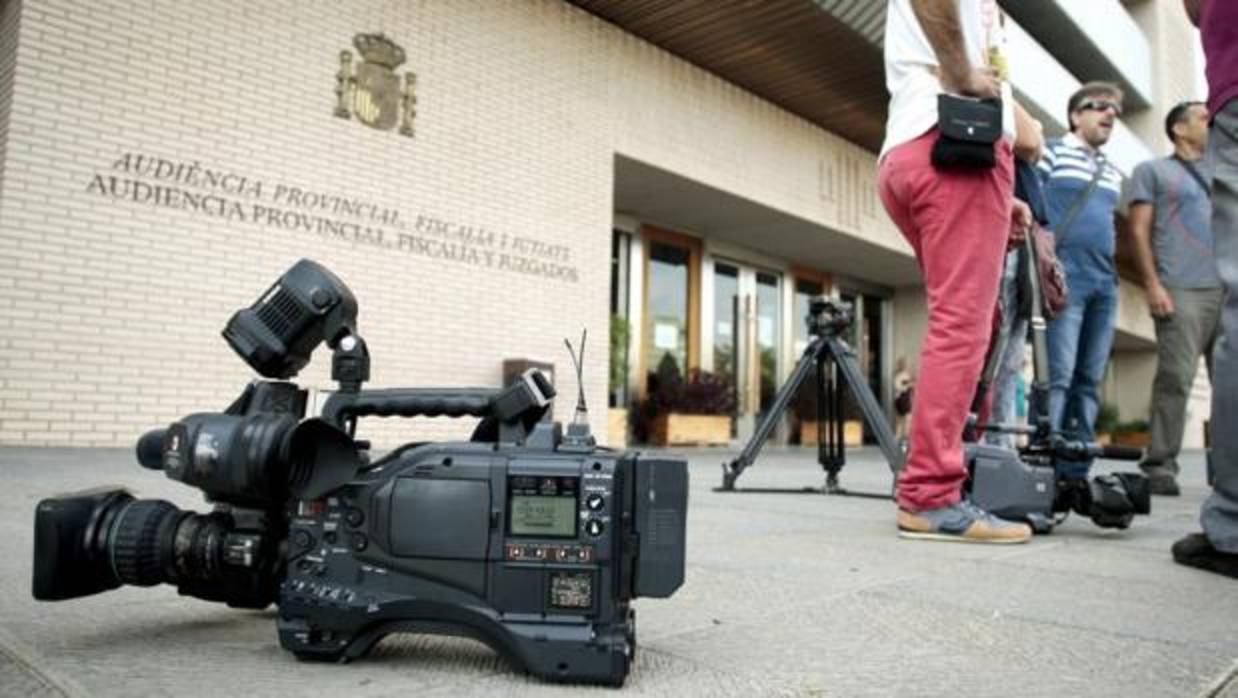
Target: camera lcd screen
543, 516
542, 506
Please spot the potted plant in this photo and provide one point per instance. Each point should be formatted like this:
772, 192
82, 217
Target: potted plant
1107, 418
617, 417
695, 411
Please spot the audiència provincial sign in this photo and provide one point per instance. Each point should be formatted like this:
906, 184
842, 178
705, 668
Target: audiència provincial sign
200, 189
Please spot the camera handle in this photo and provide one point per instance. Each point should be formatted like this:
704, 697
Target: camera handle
409, 402
516, 408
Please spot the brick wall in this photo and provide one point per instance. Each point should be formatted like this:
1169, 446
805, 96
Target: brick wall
111, 308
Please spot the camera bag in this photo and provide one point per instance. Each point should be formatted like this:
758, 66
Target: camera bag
967, 129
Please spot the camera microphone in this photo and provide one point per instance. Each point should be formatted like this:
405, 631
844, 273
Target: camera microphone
578, 434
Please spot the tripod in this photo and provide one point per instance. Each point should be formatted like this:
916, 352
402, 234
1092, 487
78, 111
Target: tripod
831, 358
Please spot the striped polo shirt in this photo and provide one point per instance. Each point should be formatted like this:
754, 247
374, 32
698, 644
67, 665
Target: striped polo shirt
1066, 170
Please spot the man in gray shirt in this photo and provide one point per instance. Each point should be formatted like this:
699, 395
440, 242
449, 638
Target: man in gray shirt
1170, 216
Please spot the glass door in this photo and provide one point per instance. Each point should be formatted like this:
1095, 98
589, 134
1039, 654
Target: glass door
747, 337
670, 327
666, 342
865, 336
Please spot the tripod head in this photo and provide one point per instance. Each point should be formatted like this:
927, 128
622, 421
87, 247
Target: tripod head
828, 316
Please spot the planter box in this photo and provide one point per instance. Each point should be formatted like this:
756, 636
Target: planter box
1134, 439
617, 427
691, 430
853, 433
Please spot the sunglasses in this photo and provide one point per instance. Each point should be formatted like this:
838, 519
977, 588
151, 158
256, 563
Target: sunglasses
1101, 105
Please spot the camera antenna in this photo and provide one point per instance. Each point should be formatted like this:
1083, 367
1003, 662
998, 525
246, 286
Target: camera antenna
578, 431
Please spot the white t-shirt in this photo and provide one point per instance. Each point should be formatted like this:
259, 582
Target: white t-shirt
910, 65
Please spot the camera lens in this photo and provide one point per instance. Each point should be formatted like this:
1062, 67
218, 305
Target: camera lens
93, 541
141, 542
1116, 498
70, 544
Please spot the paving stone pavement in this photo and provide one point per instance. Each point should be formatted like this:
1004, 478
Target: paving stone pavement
786, 595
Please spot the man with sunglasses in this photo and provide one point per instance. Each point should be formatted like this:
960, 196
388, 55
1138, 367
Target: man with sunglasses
1081, 192
1171, 223
1216, 548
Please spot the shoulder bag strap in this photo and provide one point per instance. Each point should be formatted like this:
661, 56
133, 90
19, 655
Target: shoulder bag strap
1190, 168
1060, 230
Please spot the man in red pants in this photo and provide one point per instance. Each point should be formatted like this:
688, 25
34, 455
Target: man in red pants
959, 223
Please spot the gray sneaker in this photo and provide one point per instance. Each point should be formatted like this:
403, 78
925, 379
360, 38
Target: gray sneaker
963, 522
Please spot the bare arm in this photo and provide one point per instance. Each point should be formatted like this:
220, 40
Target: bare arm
940, 21
1140, 219
1193, 8
1029, 135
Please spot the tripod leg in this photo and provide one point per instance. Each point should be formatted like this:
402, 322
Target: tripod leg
831, 454
732, 470
1039, 416
844, 357
992, 363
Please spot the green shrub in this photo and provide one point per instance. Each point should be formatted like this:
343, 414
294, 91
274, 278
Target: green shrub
1107, 418
1134, 426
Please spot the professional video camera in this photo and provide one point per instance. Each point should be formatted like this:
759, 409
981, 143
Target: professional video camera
528, 539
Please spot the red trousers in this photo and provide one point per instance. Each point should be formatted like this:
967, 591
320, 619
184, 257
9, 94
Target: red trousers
958, 223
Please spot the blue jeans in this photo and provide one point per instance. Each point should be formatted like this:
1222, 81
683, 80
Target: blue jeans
1079, 343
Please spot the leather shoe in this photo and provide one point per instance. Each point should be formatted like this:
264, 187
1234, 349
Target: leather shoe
1196, 551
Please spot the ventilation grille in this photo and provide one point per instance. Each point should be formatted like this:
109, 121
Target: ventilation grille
281, 314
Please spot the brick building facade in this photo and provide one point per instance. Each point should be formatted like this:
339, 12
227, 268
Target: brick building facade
161, 165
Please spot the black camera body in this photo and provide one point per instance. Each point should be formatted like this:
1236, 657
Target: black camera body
533, 549
527, 539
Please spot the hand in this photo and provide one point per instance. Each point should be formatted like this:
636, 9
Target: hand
976, 82
1160, 304
1020, 222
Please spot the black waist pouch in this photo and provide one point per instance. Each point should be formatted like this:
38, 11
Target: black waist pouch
967, 128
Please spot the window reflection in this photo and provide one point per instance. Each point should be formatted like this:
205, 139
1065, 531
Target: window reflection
726, 320
768, 336
668, 310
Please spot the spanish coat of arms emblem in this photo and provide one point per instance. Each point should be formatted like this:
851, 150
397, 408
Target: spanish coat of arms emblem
373, 92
